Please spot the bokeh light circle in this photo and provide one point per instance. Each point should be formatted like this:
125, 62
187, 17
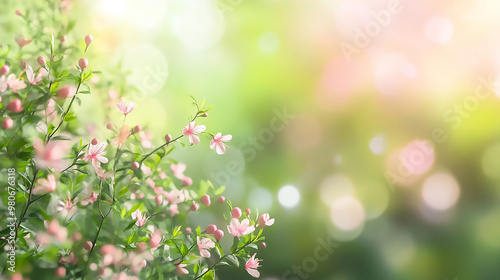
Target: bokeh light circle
440, 191
347, 213
334, 187
289, 196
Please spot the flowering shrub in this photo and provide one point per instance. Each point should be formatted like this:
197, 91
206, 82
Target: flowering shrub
78, 207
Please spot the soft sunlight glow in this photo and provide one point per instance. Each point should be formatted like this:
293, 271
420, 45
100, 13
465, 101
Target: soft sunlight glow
269, 43
440, 191
347, 213
377, 144
289, 196
439, 30
113, 7
334, 187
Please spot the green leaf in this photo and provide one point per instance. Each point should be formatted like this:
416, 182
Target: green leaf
232, 260
122, 192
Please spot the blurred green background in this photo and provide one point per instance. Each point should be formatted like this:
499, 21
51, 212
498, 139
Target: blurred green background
371, 124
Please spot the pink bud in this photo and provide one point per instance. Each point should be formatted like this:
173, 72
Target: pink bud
7, 123
15, 106
60, 271
205, 200
134, 166
94, 141
88, 40
88, 245
67, 91
188, 230
218, 234
247, 211
221, 199
142, 246
211, 229
63, 38
109, 126
19, 13
4, 70
137, 128
159, 199
236, 212
168, 138
187, 181
194, 207
41, 61
76, 236
83, 63
263, 245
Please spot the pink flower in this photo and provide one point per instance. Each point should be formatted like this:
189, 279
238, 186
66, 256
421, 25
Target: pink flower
4, 70
211, 229
88, 40
178, 170
218, 142
45, 185
55, 229
3, 84
14, 83
66, 206
146, 138
194, 207
41, 61
192, 130
265, 221
175, 196
221, 199
52, 155
31, 75
8, 123
88, 195
180, 269
141, 219
174, 209
83, 63
21, 41
238, 229
60, 271
96, 153
203, 245
155, 240
252, 265
124, 107
69, 258
187, 181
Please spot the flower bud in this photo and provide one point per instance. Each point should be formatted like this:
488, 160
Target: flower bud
67, 91
134, 166
76, 236
88, 40
19, 13
204, 115
188, 230
168, 138
63, 38
263, 245
137, 128
15, 106
187, 181
205, 200
41, 61
83, 63
4, 70
94, 141
211, 229
194, 207
109, 126
221, 199
7, 123
88, 245
218, 234
60, 271
248, 211
236, 212
159, 199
